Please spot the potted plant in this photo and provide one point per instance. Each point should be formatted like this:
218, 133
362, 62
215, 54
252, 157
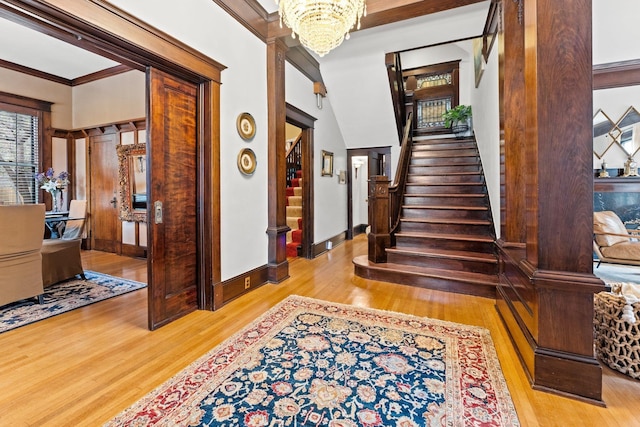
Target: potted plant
458, 119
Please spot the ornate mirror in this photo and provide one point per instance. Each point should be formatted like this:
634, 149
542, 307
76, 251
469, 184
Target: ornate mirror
602, 138
627, 131
133, 182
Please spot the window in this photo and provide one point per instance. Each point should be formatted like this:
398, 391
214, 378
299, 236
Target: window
21, 144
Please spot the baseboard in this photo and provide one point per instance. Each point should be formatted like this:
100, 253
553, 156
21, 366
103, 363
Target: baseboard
134, 251
360, 229
233, 288
321, 247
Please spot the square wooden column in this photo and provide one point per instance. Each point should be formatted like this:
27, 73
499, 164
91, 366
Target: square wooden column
278, 266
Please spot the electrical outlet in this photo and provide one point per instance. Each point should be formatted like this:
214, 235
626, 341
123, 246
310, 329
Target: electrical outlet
247, 282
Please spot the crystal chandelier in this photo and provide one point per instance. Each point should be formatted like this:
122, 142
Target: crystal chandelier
321, 25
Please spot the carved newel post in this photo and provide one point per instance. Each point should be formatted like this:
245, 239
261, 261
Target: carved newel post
379, 238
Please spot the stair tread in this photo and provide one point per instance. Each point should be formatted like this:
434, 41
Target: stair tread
464, 276
461, 195
448, 236
462, 221
468, 208
448, 173
427, 184
447, 253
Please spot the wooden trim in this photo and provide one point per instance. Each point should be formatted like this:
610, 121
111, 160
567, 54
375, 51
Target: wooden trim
306, 122
321, 247
104, 29
235, 287
134, 251
304, 62
616, 74
249, 13
33, 72
99, 75
25, 102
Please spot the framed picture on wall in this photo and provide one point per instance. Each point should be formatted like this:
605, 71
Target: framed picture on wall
327, 163
478, 59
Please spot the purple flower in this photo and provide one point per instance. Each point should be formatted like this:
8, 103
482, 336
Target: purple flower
64, 175
49, 173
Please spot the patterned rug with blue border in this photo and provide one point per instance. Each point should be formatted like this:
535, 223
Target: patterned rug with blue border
65, 296
313, 363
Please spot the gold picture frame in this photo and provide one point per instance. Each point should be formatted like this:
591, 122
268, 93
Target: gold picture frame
247, 161
327, 163
246, 126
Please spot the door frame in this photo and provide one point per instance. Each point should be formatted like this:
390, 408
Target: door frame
106, 30
306, 122
352, 152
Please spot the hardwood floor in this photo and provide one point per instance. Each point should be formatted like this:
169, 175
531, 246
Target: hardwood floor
83, 367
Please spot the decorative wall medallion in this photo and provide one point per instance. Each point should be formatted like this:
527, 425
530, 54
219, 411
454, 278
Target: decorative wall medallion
246, 126
247, 161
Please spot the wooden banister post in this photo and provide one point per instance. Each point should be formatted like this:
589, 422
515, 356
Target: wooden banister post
379, 238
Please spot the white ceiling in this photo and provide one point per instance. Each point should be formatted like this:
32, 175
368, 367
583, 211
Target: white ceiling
35, 50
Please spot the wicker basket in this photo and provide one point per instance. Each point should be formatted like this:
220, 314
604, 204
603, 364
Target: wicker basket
617, 341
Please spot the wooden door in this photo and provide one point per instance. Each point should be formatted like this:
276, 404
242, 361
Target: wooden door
172, 189
106, 228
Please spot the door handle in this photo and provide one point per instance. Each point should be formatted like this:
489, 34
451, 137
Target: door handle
114, 201
157, 212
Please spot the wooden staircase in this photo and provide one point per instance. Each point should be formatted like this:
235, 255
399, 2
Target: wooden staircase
445, 237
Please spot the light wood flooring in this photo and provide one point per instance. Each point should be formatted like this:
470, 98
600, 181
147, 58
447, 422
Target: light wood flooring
83, 367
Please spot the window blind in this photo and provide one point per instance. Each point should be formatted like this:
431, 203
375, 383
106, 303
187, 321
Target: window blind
18, 158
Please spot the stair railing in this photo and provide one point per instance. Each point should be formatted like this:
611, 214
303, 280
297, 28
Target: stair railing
385, 202
396, 84
396, 190
294, 159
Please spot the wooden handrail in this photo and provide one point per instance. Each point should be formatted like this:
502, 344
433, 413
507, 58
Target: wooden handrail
296, 142
396, 85
396, 190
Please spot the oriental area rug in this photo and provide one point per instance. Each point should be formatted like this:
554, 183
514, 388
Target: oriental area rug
65, 296
312, 363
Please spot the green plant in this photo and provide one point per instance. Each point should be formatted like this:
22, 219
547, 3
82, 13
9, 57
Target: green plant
459, 113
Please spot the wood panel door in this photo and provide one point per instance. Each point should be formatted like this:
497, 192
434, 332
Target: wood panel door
172, 188
106, 228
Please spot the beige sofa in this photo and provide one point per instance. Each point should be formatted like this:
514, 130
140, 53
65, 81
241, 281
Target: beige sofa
20, 258
612, 241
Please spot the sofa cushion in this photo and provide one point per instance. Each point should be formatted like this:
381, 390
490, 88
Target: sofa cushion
606, 222
622, 251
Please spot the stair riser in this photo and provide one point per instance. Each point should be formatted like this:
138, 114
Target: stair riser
443, 263
458, 245
445, 284
427, 227
445, 161
421, 154
430, 146
449, 179
432, 170
443, 200
447, 189
408, 212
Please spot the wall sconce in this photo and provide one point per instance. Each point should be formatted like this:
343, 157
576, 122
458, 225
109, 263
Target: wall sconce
320, 91
140, 164
356, 165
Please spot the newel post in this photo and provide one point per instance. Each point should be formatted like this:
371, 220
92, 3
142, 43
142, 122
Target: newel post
379, 238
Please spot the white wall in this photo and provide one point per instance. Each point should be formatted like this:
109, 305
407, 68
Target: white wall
44, 90
486, 122
330, 197
207, 28
110, 100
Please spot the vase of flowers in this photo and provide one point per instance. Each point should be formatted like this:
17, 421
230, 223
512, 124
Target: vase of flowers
54, 186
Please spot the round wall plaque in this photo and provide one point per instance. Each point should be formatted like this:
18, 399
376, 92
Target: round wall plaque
246, 126
247, 161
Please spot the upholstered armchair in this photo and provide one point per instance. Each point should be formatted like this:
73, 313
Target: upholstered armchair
613, 242
20, 259
61, 258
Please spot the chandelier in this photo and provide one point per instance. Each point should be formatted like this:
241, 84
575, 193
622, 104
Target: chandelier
321, 25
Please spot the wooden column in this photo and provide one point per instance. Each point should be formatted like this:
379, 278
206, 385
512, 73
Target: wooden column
379, 238
277, 264
546, 290
512, 118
